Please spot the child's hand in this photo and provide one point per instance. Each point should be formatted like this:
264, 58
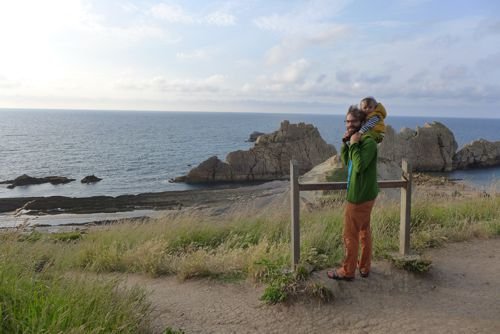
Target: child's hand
346, 137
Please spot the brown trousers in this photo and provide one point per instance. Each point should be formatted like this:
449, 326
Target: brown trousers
357, 230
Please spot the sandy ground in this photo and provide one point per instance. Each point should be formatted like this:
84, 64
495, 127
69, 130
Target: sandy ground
461, 294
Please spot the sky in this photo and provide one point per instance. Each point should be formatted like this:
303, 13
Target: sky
417, 57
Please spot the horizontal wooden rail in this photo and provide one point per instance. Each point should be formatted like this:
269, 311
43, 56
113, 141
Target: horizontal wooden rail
343, 185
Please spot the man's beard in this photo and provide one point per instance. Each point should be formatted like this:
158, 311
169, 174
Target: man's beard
352, 130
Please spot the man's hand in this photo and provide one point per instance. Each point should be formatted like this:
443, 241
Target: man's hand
355, 138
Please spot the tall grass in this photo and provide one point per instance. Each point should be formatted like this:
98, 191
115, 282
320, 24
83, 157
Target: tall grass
36, 298
37, 295
232, 247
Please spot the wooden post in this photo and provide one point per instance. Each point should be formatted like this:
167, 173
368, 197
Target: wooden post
295, 228
404, 225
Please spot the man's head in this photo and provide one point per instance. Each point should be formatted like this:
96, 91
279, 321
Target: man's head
354, 119
368, 104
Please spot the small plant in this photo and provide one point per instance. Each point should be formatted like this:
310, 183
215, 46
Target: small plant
280, 288
67, 236
413, 264
319, 291
283, 284
313, 257
30, 237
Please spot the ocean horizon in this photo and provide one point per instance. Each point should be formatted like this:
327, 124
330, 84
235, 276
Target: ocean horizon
136, 152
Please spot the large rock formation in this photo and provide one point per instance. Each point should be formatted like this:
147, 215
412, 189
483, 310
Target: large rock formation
479, 153
428, 148
269, 159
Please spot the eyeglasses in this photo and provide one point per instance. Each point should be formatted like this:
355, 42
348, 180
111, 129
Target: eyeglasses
351, 121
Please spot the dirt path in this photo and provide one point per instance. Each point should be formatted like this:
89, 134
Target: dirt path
461, 294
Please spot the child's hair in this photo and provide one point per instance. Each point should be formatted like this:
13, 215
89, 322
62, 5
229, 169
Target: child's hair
369, 100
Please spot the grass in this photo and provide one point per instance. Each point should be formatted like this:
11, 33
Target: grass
36, 298
252, 247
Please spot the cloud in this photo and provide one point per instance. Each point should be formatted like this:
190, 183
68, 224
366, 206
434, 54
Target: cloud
293, 73
488, 27
220, 18
292, 45
212, 83
129, 7
344, 76
171, 13
6, 83
454, 72
308, 25
198, 54
176, 14
295, 80
489, 63
374, 79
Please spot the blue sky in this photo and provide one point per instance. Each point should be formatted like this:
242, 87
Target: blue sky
418, 57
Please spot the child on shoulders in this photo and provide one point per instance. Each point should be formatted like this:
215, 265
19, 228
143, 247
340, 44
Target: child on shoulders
375, 115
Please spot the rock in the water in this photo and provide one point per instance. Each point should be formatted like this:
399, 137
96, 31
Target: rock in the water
26, 180
210, 170
254, 135
90, 179
269, 159
479, 153
428, 148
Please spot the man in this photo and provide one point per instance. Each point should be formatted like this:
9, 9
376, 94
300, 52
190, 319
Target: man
359, 153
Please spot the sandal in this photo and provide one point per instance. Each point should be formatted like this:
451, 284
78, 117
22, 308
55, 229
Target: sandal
364, 274
334, 275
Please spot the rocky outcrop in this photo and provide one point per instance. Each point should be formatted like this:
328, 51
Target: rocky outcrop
269, 159
428, 148
26, 180
479, 153
90, 179
254, 135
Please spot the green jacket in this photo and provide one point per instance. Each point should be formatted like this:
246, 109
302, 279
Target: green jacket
361, 160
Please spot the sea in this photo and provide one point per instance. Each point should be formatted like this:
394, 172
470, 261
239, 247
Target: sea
137, 152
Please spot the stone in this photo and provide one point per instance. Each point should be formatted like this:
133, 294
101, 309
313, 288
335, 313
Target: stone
269, 159
254, 135
477, 154
90, 179
429, 148
26, 180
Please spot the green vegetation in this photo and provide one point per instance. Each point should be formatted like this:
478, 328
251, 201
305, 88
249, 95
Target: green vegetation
36, 298
42, 288
412, 264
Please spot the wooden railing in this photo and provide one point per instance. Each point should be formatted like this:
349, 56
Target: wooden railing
404, 184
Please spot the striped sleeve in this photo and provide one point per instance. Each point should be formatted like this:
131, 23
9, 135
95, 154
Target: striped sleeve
369, 124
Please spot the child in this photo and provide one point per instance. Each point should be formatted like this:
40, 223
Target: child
375, 114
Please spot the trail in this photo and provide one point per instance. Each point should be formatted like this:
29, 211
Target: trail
461, 294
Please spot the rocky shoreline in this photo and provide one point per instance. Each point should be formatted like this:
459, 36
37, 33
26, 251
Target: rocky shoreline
168, 200
430, 148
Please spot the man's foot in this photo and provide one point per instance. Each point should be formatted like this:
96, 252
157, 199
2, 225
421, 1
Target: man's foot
333, 274
364, 274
